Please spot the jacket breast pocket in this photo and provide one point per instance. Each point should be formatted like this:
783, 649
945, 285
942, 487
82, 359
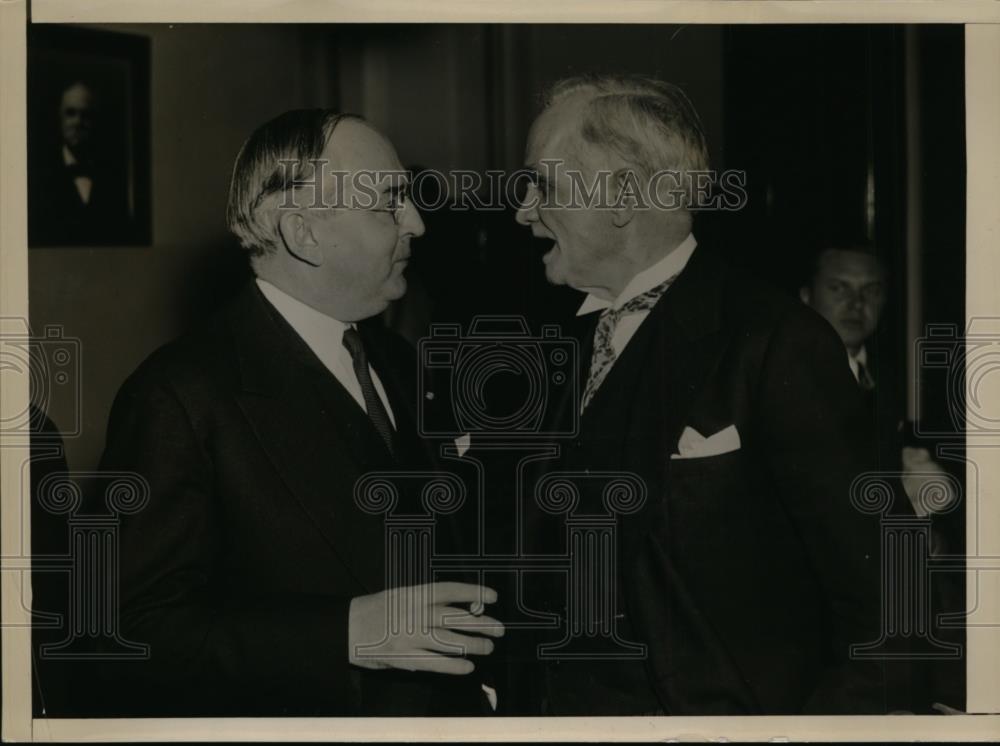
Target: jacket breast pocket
707, 510
707, 471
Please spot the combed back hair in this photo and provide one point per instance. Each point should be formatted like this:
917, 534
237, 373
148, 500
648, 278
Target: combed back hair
648, 122
297, 138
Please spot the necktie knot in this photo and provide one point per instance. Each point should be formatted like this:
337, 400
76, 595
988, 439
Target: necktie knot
865, 380
642, 302
353, 343
604, 354
645, 301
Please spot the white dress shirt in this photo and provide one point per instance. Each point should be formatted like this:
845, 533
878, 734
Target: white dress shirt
325, 337
648, 279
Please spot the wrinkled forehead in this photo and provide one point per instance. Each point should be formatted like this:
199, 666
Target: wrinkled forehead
850, 265
556, 133
356, 147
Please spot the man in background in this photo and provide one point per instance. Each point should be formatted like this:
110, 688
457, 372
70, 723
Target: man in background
847, 287
258, 583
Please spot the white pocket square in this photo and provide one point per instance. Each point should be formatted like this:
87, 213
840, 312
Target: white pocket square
695, 445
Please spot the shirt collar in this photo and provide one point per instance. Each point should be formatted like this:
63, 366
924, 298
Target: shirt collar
312, 325
648, 279
68, 158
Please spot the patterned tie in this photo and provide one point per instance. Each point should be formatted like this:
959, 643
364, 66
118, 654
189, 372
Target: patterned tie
373, 403
604, 353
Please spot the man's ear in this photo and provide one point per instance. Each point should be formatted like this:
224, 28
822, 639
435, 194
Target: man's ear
804, 295
297, 235
627, 196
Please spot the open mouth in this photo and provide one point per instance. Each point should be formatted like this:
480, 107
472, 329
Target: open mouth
546, 245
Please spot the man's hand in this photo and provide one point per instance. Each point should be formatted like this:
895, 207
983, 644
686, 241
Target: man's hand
919, 470
417, 629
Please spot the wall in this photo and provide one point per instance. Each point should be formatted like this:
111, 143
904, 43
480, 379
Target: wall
689, 56
211, 85
464, 95
424, 86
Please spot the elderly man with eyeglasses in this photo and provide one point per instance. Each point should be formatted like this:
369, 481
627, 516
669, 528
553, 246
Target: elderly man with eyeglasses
259, 585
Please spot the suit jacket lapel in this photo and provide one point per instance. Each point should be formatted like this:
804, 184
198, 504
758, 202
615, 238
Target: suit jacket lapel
414, 452
683, 347
687, 341
567, 410
309, 426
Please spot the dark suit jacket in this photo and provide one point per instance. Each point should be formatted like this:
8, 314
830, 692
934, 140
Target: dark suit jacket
240, 571
57, 216
747, 574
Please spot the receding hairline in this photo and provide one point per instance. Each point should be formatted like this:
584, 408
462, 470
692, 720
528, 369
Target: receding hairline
569, 133
648, 122
343, 129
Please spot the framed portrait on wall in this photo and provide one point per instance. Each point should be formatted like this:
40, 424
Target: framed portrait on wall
88, 138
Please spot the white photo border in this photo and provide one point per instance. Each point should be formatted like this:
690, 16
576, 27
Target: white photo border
982, 85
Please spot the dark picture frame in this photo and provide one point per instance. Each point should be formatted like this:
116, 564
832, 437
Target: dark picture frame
88, 138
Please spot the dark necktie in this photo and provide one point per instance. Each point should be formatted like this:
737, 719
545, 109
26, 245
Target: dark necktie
373, 403
78, 169
604, 355
865, 380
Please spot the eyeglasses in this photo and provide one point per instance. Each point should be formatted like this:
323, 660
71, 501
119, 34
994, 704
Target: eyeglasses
399, 199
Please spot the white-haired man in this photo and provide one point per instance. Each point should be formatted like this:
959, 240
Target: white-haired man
258, 584
747, 573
